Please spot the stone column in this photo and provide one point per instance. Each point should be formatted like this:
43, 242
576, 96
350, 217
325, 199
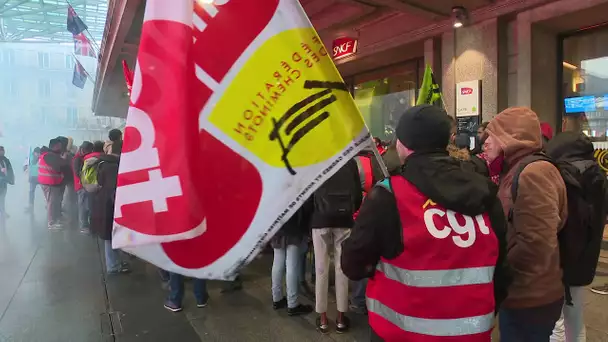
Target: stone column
471, 53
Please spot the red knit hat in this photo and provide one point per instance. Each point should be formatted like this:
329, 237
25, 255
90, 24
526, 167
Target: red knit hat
546, 130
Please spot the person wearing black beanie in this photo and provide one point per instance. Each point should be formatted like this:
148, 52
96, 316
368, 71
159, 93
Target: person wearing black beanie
454, 228
423, 128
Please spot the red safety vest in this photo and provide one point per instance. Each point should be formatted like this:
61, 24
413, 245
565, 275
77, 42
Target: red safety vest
46, 174
77, 182
441, 287
368, 174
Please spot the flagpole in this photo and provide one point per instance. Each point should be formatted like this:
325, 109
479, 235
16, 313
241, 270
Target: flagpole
378, 157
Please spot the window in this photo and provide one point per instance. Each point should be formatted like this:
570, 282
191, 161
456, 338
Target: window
8, 57
12, 88
44, 88
383, 95
585, 83
44, 60
72, 117
69, 62
42, 115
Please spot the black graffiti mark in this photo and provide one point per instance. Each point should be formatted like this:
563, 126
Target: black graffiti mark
322, 101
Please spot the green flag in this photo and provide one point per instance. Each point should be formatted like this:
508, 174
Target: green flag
429, 91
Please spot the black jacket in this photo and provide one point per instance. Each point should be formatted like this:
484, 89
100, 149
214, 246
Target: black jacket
9, 177
378, 229
102, 201
350, 174
296, 229
77, 164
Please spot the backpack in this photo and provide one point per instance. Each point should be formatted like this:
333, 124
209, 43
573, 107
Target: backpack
335, 198
88, 177
580, 238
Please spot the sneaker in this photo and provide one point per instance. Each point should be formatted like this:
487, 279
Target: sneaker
602, 289
323, 328
202, 304
84, 230
173, 307
360, 310
299, 310
281, 304
55, 226
342, 327
232, 286
121, 270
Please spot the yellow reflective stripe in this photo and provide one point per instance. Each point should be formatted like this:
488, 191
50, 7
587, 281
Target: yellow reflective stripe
438, 278
433, 327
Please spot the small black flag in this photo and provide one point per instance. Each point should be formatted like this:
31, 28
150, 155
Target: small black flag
74, 23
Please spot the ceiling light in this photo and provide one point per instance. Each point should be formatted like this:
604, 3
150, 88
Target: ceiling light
460, 16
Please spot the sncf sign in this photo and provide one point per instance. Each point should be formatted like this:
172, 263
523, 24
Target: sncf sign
343, 47
466, 91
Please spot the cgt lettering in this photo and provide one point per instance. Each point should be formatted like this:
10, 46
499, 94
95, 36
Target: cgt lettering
157, 188
465, 233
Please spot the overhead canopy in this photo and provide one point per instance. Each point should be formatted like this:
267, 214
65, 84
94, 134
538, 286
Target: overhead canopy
45, 20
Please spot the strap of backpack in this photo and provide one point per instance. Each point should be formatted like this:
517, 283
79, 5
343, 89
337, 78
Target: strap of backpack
515, 183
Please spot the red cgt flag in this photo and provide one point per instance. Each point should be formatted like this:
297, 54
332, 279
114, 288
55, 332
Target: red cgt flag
237, 115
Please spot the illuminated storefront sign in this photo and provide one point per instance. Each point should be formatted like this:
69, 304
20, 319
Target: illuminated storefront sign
344, 47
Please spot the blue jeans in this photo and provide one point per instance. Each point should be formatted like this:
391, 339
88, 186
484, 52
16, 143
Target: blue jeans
286, 258
113, 262
529, 324
84, 211
176, 294
32, 194
358, 296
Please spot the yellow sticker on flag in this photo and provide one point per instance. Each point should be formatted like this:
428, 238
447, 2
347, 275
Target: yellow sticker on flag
301, 101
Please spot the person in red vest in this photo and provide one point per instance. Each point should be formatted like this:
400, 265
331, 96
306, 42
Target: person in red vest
431, 240
51, 173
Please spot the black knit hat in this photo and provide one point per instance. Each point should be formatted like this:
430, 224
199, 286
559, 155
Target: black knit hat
424, 128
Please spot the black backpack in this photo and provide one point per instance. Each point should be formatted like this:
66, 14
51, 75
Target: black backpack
580, 239
336, 198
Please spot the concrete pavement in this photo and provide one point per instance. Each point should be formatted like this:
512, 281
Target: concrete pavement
53, 289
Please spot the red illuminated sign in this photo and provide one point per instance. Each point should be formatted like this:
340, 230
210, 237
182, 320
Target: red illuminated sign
343, 47
466, 91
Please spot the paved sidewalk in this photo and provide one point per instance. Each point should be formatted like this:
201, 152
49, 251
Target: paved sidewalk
53, 289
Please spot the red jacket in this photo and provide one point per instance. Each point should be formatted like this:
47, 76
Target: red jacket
77, 162
441, 287
47, 175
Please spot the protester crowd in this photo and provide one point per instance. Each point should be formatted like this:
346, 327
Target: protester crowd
453, 237
456, 235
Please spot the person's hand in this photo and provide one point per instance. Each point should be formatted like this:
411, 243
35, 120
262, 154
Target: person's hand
3, 170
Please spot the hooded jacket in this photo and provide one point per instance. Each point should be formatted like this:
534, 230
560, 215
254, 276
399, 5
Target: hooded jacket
378, 228
538, 214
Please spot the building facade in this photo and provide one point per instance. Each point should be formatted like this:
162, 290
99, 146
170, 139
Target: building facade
39, 100
545, 54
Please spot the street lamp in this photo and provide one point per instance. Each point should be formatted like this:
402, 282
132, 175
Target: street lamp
460, 15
